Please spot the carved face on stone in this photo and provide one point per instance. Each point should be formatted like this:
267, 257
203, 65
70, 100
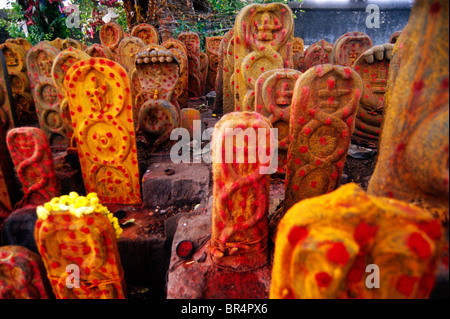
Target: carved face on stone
44, 63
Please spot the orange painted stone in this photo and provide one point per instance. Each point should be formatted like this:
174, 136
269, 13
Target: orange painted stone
72, 43
15, 57
212, 51
62, 63
316, 54
127, 51
159, 113
240, 193
192, 43
99, 51
228, 73
179, 50
274, 91
219, 83
323, 112
6, 116
22, 274
263, 35
33, 162
325, 243
348, 48
188, 116
40, 60
57, 43
87, 245
373, 68
414, 148
24, 43
111, 34
99, 96
298, 53
146, 32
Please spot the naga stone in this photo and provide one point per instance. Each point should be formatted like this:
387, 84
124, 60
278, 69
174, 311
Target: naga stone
6, 112
62, 63
348, 48
72, 43
99, 51
373, 68
228, 73
212, 50
263, 35
180, 52
316, 54
219, 84
159, 113
110, 35
33, 162
57, 43
347, 244
22, 274
146, 32
127, 51
15, 58
9, 190
240, 191
323, 111
192, 43
40, 60
99, 96
274, 91
414, 148
76, 237
24, 43
298, 53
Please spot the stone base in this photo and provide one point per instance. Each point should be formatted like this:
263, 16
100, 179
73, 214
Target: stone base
189, 184
198, 278
144, 249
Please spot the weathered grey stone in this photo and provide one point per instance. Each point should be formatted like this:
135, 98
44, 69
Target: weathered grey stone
188, 185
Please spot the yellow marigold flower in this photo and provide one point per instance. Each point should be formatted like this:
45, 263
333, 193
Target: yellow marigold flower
81, 202
91, 195
79, 206
42, 212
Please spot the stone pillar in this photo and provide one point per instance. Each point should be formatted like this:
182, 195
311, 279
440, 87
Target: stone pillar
323, 111
414, 145
99, 96
241, 191
263, 35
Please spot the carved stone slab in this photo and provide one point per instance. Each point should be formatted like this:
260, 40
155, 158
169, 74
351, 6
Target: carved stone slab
324, 246
274, 91
373, 68
323, 111
22, 274
146, 32
240, 193
99, 95
40, 60
33, 161
263, 35
348, 48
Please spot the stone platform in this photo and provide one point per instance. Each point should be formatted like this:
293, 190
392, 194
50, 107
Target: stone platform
197, 277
